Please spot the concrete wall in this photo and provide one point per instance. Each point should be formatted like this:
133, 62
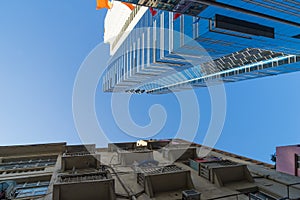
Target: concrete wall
180, 154
223, 175
89, 190
168, 182
285, 160
38, 149
81, 148
128, 158
113, 147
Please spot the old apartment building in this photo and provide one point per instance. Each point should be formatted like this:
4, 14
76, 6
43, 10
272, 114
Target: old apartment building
154, 169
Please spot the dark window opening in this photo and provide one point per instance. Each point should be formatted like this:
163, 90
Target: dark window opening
243, 26
296, 36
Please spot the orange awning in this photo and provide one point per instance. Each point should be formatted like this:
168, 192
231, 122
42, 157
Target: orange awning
103, 4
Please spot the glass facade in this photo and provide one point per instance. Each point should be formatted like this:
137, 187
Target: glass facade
162, 53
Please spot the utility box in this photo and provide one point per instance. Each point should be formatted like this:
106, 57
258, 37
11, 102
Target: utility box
191, 195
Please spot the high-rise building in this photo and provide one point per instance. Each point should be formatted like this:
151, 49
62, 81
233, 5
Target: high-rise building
143, 170
288, 159
157, 51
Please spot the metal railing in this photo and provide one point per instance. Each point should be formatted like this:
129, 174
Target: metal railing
159, 170
76, 154
75, 178
238, 196
230, 195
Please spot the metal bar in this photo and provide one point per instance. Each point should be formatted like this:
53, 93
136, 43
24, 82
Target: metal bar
246, 11
225, 196
298, 183
288, 188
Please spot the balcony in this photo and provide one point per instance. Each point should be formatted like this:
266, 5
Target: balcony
88, 148
157, 144
127, 158
91, 186
164, 179
222, 172
179, 153
151, 144
113, 147
80, 160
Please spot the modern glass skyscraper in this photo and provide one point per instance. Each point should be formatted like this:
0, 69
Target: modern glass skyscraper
157, 51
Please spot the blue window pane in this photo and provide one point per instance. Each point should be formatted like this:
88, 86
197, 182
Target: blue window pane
30, 192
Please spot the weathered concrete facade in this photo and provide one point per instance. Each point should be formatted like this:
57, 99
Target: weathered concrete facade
128, 171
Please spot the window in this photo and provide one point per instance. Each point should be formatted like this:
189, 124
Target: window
25, 164
31, 189
38, 191
298, 161
243, 26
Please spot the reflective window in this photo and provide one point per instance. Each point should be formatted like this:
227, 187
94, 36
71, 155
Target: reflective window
38, 191
31, 189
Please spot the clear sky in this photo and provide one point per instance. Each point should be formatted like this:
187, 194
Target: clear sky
42, 45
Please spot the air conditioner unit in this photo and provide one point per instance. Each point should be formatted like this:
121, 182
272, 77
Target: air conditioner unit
191, 195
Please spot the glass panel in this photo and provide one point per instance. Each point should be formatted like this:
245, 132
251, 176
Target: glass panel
40, 191
44, 183
31, 192
30, 185
24, 192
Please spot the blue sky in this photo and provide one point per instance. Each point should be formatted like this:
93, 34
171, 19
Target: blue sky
42, 45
